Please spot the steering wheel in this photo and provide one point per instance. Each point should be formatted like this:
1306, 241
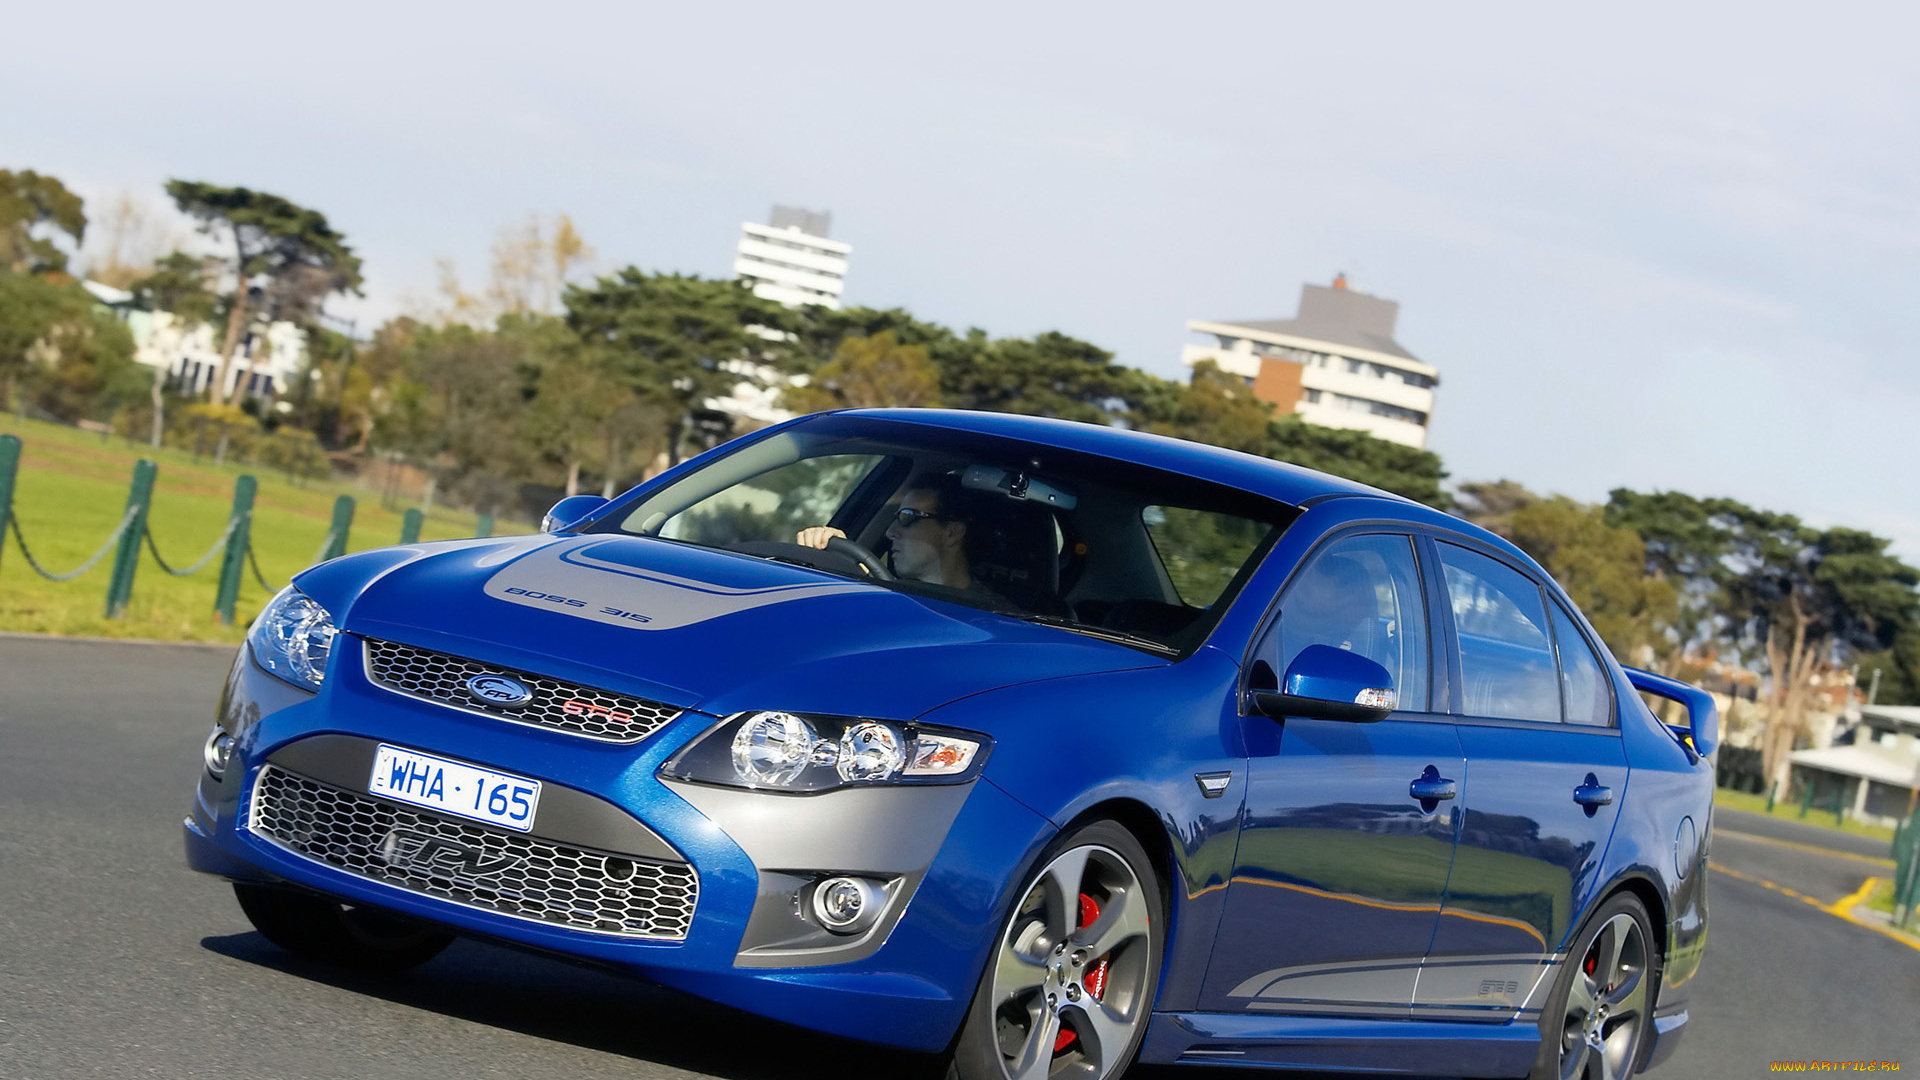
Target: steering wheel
874, 565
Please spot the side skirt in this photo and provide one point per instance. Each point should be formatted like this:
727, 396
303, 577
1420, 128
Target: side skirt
1407, 1047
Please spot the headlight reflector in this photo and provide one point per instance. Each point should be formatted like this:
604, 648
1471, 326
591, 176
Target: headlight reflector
292, 638
869, 751
772, 748
781, 751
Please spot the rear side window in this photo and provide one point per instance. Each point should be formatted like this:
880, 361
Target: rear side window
1201, 550
1582, 679
1506, 657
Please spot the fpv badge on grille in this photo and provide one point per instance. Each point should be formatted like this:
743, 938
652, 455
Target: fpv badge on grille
425, 854
499, 691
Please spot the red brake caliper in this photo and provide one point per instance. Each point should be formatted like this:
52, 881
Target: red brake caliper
1096, 979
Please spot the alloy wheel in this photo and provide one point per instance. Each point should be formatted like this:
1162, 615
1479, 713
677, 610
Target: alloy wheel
1606, 1004
1069, 983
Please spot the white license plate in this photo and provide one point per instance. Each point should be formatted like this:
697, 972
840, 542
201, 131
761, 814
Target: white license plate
454, 787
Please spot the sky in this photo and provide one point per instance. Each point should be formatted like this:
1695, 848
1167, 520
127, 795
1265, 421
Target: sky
1663, 246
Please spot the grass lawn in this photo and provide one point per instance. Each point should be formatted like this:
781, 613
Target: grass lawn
72, 491
1790, 811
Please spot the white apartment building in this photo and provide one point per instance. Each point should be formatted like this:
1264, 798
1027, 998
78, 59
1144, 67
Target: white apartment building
265, 363
1336, 363
790, 261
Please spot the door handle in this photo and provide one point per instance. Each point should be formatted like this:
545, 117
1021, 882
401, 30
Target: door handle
1591, 794
1431, 786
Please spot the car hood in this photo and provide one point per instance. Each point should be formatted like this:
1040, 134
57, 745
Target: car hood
695, 627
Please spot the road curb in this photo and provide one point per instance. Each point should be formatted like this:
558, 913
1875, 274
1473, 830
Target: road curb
16, 635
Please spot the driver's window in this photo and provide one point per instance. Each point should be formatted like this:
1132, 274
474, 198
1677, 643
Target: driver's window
774, 505
1361, 594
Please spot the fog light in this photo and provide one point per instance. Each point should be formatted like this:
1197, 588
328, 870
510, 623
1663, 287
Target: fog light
217, 752
846, 905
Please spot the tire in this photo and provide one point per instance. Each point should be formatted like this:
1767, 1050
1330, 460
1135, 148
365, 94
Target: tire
1049, 1004
317, 928
1595, 1023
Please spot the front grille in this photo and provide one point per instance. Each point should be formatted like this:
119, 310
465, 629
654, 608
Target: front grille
470, 864
562, 706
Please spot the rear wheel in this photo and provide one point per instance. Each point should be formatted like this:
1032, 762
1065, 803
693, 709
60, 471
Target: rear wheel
318, 928
1070, 982
1595, 1025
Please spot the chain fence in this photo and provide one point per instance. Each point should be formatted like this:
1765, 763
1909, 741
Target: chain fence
133, 534
92, 560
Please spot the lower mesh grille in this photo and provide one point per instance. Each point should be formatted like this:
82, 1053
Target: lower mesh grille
510, 873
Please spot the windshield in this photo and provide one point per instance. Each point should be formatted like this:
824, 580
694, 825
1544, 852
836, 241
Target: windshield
1087, 543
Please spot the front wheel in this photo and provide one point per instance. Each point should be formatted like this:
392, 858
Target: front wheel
1070, 982
1596, 1022
317, 928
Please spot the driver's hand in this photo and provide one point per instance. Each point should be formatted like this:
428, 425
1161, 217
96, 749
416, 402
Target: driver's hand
817, 536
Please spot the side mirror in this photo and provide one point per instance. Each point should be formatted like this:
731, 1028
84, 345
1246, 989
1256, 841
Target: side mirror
1703, 716
569, 510
1325, 683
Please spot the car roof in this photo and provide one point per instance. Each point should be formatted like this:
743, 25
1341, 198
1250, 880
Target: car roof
1276, 480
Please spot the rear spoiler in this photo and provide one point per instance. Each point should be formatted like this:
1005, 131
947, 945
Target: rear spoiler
1703, 733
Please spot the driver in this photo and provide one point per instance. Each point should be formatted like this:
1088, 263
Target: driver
928, 534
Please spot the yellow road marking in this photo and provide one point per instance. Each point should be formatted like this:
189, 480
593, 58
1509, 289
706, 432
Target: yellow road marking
1797, 846
1842, 909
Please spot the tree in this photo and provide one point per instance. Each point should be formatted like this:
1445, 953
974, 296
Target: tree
127, 242
59, 344
287, 250
454, 405
1899, 668
32, 205
529, 270
1688, 541
1812, 600
576, 404
179, 290
869, 372
818, 331
1363, 458
1214, 408
1490, 504
681, 340
1602, 568
1051, 375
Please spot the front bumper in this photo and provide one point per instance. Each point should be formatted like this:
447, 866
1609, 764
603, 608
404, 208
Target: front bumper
946, 852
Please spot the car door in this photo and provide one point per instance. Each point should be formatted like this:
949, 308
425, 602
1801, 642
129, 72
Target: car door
1340, 869
1535, 715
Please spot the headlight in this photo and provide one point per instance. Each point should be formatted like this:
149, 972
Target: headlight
780, 751
292, 638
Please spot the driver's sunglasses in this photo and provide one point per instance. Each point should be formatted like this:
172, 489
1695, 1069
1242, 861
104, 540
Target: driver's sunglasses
907, 516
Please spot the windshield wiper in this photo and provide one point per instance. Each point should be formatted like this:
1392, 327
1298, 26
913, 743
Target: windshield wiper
1120, 637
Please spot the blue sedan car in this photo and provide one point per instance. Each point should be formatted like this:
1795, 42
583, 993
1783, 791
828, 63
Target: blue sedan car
1044, 746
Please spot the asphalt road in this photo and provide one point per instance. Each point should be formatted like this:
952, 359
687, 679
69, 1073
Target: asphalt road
116, 961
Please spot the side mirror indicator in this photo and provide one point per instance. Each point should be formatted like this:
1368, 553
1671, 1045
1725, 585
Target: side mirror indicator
1325, 683
570, 510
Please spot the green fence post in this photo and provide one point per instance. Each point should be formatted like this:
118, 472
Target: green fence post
410, 526
483, 527
342, 522
127, 558
1806, 797
9, 468
235, 558
1833, 804
1906, 858
1771, 793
